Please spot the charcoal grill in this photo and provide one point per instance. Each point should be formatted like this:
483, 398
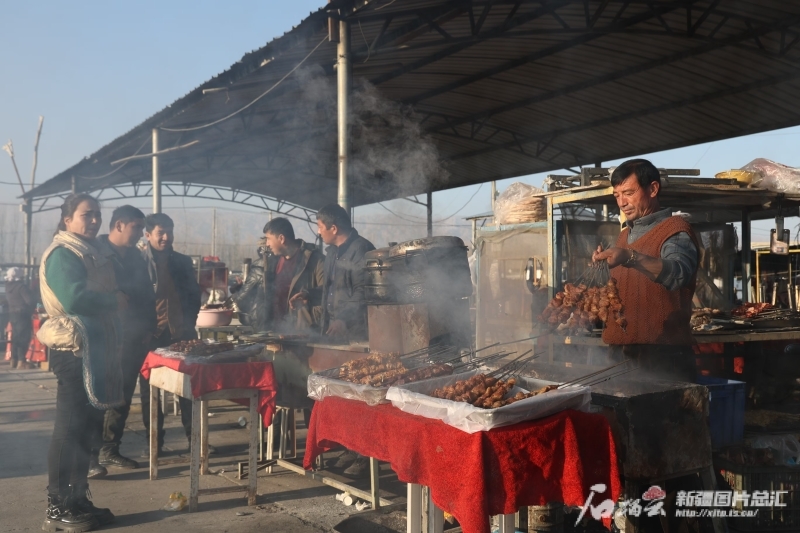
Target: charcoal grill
660, 427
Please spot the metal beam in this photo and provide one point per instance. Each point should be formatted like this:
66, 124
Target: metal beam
617, 75
191, 190
458, 47
635, 114
529, 58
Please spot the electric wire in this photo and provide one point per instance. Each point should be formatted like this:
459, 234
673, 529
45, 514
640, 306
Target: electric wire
259, 97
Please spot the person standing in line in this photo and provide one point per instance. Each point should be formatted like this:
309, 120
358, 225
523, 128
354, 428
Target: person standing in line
177, 304
79, 293
138, 326
20, 308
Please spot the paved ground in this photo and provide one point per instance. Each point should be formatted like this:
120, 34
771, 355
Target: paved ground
287, 501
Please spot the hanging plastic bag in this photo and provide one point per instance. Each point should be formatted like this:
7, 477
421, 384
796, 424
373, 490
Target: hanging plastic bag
786, 447
520, 203
774, 176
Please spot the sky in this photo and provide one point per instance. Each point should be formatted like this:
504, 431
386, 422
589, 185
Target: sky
95, 70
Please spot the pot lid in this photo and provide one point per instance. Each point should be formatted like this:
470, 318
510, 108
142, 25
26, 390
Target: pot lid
378, 253
427, 243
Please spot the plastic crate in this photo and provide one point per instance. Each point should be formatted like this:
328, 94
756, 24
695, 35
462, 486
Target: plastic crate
725, 410
764, 478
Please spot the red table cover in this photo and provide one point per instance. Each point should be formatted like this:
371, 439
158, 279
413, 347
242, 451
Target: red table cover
474, 476
213, 377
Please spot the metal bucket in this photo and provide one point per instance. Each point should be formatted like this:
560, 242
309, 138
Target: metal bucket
379, 287
546, 518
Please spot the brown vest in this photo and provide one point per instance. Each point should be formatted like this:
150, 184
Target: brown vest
655, 315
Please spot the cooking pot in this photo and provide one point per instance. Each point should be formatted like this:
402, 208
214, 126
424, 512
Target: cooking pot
378, 288
432, 268
211, 318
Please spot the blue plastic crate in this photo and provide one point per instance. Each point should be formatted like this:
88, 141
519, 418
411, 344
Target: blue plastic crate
725, 410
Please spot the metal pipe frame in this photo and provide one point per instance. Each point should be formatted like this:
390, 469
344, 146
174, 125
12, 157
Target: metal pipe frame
187, 190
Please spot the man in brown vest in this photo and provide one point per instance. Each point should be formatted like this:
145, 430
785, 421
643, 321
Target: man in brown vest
655, 264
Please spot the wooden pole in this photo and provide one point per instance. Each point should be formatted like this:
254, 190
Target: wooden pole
36, 151
9, 148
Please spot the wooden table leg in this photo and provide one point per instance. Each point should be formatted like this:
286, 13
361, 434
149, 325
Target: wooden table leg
203, 437
194, 467
270, 448
255, 432
293, 428
507, 523
435, 516
153, 432
282, 441
375, 482
414, 508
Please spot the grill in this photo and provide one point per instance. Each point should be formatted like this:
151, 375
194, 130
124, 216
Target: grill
660, 427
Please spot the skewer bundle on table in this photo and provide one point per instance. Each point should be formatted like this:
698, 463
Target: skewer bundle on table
199, 347
486, 391
383, 370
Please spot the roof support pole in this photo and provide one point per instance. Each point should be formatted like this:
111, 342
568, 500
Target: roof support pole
430, 214
156, 177
746, 253
344, 82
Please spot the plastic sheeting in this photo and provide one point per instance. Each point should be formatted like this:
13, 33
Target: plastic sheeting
320, 387
414, 398
774, 176
520, 203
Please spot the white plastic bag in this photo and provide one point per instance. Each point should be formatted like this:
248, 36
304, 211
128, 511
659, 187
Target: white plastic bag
774, 176
320, 387
787, 447
520, 203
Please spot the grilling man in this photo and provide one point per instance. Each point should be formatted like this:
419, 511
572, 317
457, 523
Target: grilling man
655, 264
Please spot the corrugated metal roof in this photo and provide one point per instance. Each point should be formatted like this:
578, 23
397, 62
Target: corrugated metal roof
499, 88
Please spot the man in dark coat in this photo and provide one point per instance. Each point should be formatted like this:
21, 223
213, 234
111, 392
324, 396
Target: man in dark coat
20, 308
177, 302
138, 326
343, 310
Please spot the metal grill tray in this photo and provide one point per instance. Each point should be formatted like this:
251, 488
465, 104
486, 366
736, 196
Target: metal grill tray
414, 398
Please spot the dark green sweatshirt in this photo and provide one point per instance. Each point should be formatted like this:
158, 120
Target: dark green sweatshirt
66, 276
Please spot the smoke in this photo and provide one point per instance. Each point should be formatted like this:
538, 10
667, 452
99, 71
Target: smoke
390, 149
390, 155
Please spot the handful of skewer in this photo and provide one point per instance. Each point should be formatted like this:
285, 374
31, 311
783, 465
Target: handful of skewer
589, 303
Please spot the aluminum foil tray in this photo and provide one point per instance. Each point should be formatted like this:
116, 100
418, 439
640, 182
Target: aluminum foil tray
414, 398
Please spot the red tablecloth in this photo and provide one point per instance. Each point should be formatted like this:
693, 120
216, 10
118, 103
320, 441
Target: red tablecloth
474, 476
213, 377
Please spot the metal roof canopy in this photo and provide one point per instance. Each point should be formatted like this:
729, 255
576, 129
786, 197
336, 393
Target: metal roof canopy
502, 88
